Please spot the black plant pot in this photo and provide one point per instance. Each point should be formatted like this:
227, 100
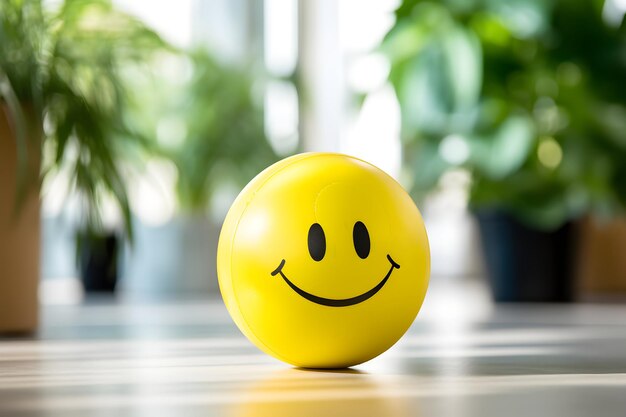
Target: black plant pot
525, 264
98, 261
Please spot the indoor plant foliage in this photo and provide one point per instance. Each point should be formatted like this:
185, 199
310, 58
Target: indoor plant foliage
528, 97
63, 108
60, 69
209, 128
225, 137
525, 95
207, 120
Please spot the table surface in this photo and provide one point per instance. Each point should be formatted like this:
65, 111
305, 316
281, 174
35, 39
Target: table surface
462, 357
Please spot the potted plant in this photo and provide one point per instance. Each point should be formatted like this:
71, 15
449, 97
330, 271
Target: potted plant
63, 102
524, 97
214, 136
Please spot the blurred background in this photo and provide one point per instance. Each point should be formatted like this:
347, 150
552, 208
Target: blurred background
128, 128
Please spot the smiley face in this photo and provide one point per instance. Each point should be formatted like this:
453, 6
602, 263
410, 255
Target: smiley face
317, 248
323, 261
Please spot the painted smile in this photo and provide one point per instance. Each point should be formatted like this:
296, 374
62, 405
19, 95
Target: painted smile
331, 302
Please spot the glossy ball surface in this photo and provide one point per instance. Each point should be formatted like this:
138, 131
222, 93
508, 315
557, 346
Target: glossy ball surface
323, 261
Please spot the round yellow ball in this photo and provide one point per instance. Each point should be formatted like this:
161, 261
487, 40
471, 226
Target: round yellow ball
323, 261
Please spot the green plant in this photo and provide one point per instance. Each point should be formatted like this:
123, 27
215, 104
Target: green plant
211, 127
528, 96
60, 72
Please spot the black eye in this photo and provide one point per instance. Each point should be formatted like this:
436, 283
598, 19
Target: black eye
317, 242
361, 240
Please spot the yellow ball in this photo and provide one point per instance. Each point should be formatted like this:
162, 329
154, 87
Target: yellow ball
323, 261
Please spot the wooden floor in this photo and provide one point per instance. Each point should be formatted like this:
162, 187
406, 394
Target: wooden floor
462, 357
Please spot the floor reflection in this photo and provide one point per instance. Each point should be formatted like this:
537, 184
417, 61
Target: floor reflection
304, 393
